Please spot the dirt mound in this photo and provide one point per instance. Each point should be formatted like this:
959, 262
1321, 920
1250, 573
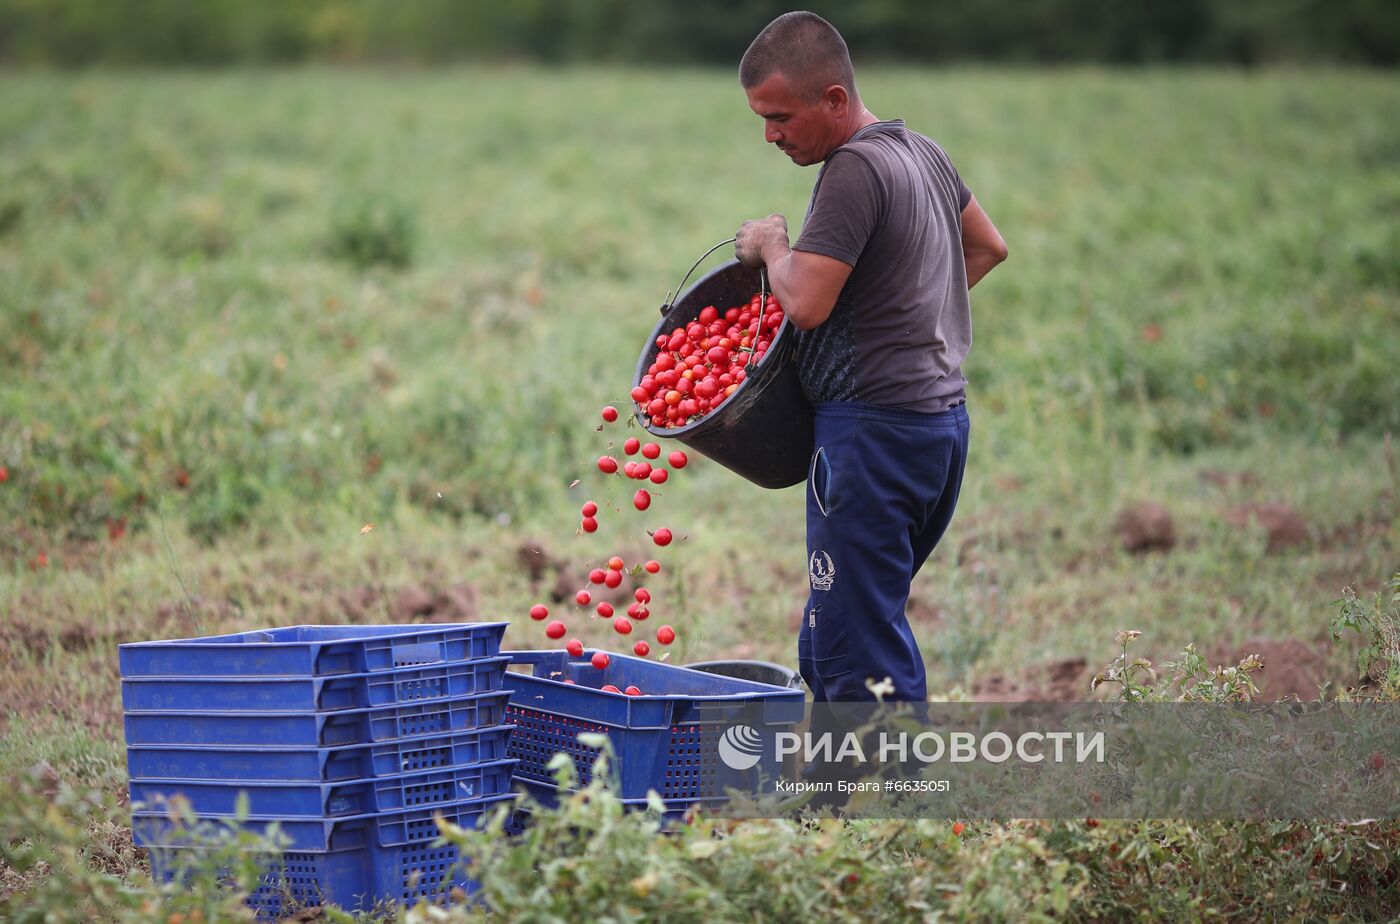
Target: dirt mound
1291, 667
1284, 526
457, 603
1145, 527
1064, 680
534, 559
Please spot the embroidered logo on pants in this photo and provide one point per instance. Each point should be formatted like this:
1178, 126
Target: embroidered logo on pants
822, 570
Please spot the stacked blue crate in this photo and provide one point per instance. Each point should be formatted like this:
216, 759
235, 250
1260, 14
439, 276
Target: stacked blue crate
350, 739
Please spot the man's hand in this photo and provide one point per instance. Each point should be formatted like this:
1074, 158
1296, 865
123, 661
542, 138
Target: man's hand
761, 241
806, 284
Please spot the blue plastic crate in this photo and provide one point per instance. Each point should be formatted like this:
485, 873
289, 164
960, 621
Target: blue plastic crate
317, 765
322, 694
317, 729
155, 827
331, 800
355, 879
666, 739
300, 651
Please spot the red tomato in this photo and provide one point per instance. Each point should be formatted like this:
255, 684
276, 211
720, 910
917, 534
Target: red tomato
583, 597
630, 447
539, 611
632, 609
641, 470
605, 610
589, 509
662, 536
613, 578
642, 612
651, 450
610, 413
629, 468
596, 576
643, 595
632, 691
708, 314
616, 563
657, 406
609, 688
555, 629
574, 647
659, 476
652, 566
642, 500
622, 625
589, 525
607, 465
677, 459
639, 394
665, 635
641, 649
601, 660
717, 355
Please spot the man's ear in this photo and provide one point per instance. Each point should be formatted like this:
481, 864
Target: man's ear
838, 99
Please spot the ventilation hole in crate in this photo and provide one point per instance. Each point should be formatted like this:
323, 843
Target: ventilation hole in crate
538, 736
427, 723
424, 829
426, 759
426, 794
410, 690
295, 882
691, 764
423, 869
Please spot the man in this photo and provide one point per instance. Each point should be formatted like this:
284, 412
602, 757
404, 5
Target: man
877, 287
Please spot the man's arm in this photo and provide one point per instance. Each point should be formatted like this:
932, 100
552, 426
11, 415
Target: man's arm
806, 284
983, 247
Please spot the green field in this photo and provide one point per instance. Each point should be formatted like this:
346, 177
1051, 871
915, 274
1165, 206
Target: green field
244, 314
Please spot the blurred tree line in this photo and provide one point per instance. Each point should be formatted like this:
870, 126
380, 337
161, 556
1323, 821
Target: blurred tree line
214, 32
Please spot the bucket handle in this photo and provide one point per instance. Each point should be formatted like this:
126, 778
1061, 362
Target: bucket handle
762, 278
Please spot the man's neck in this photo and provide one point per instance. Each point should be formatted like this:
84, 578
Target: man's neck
858, 121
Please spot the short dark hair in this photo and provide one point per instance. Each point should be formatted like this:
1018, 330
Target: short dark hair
806, 49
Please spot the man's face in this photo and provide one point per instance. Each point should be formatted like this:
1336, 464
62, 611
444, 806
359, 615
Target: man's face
805, 131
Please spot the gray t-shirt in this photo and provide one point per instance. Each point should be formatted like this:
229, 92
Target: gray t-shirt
889, 203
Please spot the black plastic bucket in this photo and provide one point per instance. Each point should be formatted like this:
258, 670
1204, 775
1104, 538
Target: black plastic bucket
757, 671
764, 430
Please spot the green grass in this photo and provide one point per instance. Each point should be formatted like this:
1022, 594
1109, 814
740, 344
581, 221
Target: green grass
400, 297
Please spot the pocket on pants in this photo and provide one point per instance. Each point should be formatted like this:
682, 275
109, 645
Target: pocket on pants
819, 480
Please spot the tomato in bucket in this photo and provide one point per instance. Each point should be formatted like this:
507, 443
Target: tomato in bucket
762, 429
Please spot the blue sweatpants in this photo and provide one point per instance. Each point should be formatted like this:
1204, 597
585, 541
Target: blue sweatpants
880, 493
